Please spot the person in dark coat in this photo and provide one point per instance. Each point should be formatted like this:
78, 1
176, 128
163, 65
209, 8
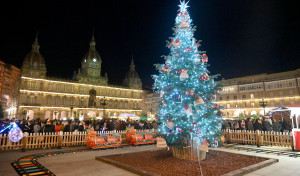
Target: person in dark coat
249, 124
67, 127
276, 125
21, 125
110, 126
136, 125
258, 125
286, 126
81, 126
48, 127
266, 125
28, 127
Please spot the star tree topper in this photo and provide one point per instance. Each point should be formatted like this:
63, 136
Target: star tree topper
183, 6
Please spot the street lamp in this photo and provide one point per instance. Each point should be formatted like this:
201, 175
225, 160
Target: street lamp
55, 113
103, 103
71, 107
24, 114
263, 104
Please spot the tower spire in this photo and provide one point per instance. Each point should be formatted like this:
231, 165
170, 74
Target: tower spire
93, 42
132, 66
36, 46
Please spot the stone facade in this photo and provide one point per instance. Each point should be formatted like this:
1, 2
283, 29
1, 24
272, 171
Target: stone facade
244, 94
36, 96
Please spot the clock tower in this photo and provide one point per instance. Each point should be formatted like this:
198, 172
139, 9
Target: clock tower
90, 71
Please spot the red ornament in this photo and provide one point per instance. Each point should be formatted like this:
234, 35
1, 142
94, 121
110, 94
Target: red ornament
187, 49
177, 41
165, 104
183, 20
185, 107
198, 44
203, 77
185, 13
180, 131
204, 58
192, 92
169, 46
171, 39
166, 67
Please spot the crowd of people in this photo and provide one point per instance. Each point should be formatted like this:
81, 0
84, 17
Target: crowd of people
261, 124
49, 126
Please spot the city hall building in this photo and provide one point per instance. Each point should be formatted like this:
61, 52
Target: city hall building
87, 95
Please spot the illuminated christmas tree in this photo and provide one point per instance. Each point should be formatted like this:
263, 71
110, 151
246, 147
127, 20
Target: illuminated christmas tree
187, 90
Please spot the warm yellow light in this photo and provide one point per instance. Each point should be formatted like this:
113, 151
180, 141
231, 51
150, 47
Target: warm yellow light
51, 107
81, 95
36, 79
232, 101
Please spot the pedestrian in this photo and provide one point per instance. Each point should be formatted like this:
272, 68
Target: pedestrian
36, 127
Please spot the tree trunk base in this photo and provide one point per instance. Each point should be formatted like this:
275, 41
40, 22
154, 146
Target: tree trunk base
188, 153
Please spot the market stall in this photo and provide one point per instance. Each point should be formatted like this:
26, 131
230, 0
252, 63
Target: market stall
294, 117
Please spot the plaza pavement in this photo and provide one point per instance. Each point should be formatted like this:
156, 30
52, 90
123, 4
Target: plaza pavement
84, 163
287, 166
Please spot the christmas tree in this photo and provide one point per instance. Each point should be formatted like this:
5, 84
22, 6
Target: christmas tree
187, 90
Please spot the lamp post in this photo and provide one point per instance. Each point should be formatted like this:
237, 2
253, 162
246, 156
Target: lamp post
24, 114
103, 103
71, 108
55, 113
263, 104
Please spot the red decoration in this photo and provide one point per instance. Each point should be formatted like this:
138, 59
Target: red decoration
177, 40
204, 58
203, 77
185, 107
190, 93
171, 39
198, 44
215, 106
185, 13
165, 104
180, 131
187, 49
166, 67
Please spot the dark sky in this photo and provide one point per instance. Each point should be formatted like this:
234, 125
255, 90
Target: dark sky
241, 37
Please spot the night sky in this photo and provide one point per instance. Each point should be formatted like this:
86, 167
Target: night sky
241, 37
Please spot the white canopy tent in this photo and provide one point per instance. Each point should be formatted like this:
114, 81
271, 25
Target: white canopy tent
130, 116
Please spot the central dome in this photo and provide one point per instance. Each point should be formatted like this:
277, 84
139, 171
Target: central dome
34, 57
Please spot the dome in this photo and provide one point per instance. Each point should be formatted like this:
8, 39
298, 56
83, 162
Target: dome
132, 79
132, 74
34, 58
92, 53
34, 63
